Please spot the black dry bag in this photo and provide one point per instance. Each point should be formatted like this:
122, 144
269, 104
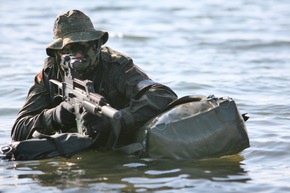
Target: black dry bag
195, 127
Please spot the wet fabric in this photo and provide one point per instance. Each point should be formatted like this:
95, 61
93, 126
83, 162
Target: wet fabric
44, 147
202, 127
115, 77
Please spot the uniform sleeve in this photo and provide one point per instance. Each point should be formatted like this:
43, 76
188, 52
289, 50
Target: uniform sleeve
32, 115
147, 98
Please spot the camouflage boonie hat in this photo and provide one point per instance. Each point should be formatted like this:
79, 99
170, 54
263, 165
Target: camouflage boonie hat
73, 26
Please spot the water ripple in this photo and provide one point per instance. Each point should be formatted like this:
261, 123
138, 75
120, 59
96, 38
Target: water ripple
226, 48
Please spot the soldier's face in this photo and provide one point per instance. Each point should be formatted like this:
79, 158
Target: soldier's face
78, 50
83, 56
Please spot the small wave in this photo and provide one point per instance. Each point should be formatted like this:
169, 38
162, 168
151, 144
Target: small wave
259, 45
129, 36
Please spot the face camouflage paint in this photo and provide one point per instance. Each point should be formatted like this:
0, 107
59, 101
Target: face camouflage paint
82, 57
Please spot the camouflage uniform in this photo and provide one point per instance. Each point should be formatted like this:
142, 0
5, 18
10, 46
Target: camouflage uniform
115, 77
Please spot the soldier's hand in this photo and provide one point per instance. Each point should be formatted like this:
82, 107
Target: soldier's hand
94, 124
63, 115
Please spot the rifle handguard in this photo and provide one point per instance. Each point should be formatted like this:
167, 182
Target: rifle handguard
102, 110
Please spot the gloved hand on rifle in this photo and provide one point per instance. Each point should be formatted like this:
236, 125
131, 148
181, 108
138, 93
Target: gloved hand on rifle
95, 124
63, 117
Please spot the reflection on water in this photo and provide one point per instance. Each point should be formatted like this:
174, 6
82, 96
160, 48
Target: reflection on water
98, 171
226, 48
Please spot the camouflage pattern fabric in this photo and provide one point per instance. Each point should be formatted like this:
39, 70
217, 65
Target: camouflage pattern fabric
124, 85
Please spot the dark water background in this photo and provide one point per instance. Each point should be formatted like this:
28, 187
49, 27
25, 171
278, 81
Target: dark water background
228, 48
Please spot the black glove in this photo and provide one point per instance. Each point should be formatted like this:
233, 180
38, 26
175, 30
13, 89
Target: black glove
94, 124
63, 116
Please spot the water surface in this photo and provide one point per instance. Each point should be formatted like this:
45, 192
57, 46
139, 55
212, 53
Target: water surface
238, 49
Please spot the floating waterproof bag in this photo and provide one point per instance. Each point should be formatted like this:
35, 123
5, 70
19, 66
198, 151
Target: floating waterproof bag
63, 144
195, 127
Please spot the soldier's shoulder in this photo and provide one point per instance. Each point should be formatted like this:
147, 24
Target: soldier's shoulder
112, 56
49, 62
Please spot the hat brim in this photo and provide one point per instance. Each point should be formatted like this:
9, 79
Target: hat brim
86, 36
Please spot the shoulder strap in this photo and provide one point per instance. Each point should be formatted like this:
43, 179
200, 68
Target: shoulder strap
185, 99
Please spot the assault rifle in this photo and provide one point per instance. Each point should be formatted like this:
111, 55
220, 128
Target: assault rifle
81, 95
